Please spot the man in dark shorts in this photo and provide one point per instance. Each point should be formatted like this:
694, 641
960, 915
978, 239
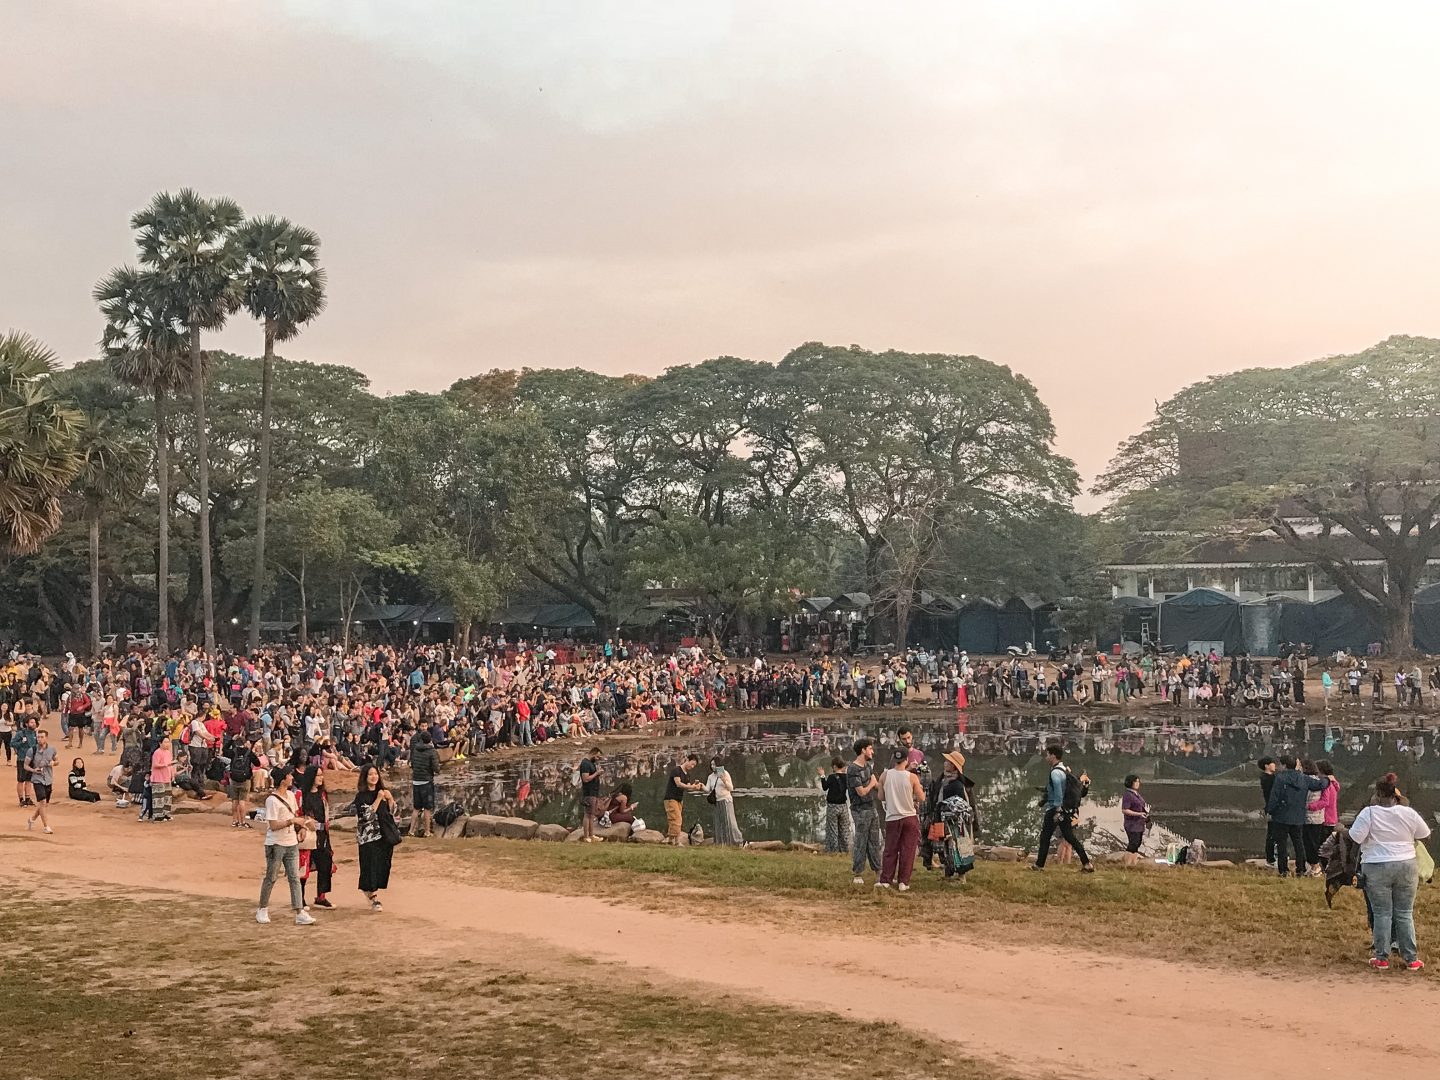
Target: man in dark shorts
424, 765
590, 803
42, 778
23, 742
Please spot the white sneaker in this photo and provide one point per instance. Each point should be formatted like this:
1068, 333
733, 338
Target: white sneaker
902, 887
857, 881
48, 829
882, 884
262, 915
304, 918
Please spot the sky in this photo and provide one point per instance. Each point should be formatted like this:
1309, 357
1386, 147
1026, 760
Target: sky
1114, 199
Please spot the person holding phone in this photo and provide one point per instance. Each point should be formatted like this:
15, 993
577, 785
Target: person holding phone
283, 826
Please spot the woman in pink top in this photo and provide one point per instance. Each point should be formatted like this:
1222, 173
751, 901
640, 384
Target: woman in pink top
1322, 814
162, 776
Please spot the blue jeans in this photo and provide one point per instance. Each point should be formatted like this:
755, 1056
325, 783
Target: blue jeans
278, 859
525, 733
101, 735
1390, 888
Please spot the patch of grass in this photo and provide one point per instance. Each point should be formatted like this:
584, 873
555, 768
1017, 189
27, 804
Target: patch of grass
58, 986
1218, 917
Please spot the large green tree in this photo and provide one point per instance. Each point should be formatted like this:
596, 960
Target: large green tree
912, 441
186, 241
39, 453
1338, 460
115, 462
282, 285
145, 345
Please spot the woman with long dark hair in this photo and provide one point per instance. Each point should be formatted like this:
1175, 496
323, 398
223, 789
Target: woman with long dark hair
372, 800
316, 856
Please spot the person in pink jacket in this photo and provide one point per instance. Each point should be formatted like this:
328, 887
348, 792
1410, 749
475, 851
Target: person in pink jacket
1322, 814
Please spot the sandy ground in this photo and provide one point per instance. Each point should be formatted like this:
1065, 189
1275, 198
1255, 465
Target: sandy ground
1023, 1006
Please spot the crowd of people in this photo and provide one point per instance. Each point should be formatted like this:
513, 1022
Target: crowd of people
276, 722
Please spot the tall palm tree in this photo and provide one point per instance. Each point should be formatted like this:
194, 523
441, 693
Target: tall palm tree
38, 453
114, 469
282, 285
146, 346
186, 241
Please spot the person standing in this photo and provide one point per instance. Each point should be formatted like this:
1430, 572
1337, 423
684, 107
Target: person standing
1057, 814
162, 779
42, 779
862, 785
1136, 812
590, 808
1286, 807
677, 783
372, 799
240, 780
903, 797
1387, 832
283, 822
837, 808
315, 806
1266, 765
24, 742
1322, 814
424, 766
720, 789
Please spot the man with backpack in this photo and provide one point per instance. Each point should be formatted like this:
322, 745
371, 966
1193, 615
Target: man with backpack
1064, 791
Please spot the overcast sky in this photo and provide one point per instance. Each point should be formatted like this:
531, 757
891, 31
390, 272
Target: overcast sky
1113, 198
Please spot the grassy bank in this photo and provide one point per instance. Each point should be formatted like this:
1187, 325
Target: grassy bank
91, 978
1216, 917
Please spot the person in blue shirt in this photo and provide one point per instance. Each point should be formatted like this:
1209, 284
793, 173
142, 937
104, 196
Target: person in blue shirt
1056, 816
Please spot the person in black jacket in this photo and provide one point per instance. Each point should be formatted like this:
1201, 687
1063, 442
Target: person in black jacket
1289, 795
1266, 766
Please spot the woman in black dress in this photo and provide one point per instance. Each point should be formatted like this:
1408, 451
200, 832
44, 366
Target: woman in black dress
320, 860
372, 799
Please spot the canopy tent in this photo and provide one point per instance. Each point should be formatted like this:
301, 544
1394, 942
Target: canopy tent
1339, 624
978, 627
1202, 615
1025, 618
1426, 616
1138, 618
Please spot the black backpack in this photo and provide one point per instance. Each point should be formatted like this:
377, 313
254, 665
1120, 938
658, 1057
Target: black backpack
448, 814
241, 768
1074, 792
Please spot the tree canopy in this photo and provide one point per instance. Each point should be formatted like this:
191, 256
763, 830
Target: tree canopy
1337, 459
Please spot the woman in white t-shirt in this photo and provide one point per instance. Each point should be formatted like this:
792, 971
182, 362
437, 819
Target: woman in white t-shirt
1387, 831
283, 825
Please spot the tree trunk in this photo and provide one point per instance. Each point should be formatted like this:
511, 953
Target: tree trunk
304, 610
162, 484
202, 473
93, 514
1397, 629
257, 586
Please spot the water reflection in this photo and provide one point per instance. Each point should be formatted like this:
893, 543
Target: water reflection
1200, 777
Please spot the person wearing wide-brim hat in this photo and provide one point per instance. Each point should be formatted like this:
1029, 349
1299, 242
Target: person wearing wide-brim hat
957, 847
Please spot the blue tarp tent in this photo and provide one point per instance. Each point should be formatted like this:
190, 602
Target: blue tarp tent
978, 627
1202, 614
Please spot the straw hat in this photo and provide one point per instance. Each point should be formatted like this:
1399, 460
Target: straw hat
956, 758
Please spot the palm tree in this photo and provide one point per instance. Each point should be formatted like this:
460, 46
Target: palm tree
282, 285
186, 241
38, 453
146, 347
113, 469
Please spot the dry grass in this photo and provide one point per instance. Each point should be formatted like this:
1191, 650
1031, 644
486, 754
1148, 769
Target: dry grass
1216, 917
170, 989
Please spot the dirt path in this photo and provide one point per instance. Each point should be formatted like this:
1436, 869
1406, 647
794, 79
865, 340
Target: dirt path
1033, 1010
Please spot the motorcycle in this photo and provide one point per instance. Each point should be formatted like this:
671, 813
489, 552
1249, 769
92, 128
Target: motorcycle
1016, 650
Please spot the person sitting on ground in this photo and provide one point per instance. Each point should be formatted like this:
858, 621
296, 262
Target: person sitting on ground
78, 791
119, 783
622, 806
